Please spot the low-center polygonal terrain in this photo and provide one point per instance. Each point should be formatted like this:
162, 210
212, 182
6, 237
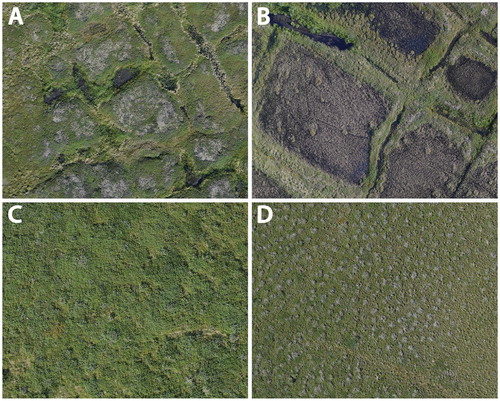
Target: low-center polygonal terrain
393, 100
121, 100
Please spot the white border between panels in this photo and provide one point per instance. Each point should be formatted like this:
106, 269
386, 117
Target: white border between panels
249, 197
245, 200
371, 200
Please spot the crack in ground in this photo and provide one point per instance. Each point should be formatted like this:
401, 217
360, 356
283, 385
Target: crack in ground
381, 158
489, 38
448, 51
466, 170
205, 48
382, 71
472, 161
454, 10
443, 113
145, 40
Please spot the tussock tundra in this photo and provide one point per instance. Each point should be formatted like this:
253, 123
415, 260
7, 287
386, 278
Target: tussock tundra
375, 300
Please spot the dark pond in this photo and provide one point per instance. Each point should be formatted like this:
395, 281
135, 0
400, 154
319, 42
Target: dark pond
328, 39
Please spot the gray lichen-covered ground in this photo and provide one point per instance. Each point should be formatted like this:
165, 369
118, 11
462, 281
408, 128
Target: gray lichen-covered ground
122, 100
125, 301
376, 301
393, 100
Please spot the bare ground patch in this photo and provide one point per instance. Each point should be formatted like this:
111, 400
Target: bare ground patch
265, 187
426, 164
318, 111
471, 78
403, 25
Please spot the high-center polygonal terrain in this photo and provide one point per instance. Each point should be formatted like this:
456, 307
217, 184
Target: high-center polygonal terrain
302, 110
120, 100
393, 100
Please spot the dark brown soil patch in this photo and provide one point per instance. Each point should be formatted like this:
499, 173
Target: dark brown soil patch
426, 164
318, 111
53, 95
471, 79
265, 187
480, 183
404, 25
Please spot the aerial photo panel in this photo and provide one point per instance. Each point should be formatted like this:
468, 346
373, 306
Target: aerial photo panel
375, 300
125, 100
125, 300
378, 100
